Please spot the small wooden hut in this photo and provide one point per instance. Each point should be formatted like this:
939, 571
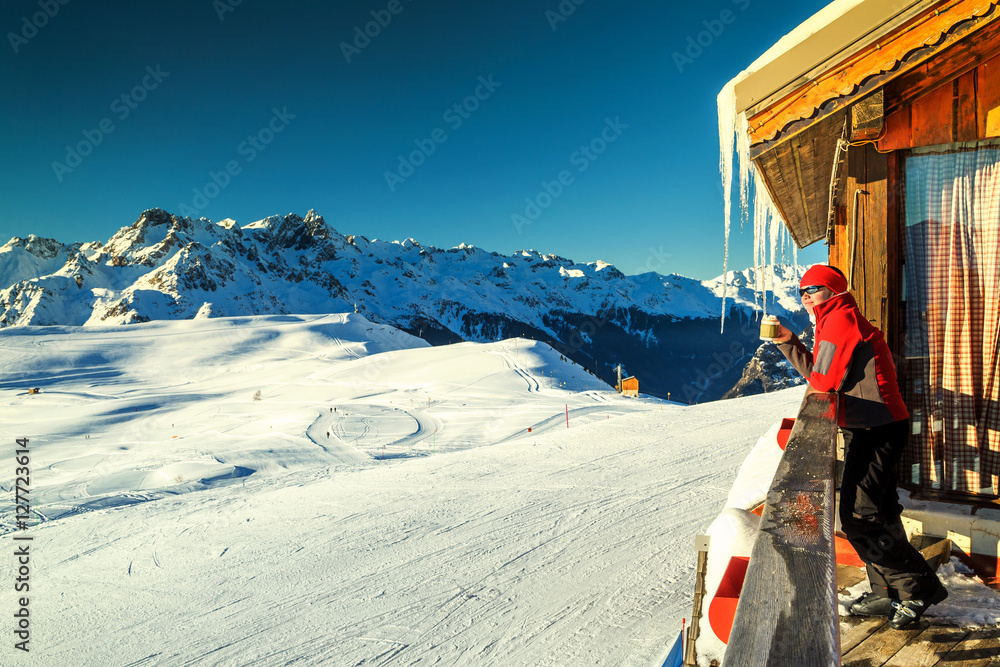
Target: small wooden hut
630, 387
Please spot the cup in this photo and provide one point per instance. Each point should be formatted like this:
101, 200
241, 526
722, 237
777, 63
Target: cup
770, 328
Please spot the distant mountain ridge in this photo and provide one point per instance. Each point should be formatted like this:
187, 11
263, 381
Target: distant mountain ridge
663, 329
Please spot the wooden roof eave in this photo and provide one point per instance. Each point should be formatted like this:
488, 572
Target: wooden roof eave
797, 175
919, 40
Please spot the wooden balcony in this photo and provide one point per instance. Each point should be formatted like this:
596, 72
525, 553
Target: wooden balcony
788, 609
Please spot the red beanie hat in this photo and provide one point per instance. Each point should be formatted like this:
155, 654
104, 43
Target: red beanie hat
824, 275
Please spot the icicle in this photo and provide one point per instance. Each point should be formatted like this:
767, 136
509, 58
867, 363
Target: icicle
768, 226
757, 248
775, 229
726, 103
743, 149
786, 240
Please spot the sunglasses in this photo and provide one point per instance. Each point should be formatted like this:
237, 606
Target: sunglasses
812, 289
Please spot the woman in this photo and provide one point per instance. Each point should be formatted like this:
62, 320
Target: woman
850, 357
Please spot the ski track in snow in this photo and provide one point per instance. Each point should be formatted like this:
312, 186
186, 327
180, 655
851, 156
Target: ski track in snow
511, 364
474, 543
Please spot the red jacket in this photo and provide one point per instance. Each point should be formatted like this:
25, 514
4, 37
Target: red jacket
850, 357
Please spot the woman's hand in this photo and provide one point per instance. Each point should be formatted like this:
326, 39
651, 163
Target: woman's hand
784, 334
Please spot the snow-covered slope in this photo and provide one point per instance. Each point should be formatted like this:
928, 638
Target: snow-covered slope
664, 329
379, 501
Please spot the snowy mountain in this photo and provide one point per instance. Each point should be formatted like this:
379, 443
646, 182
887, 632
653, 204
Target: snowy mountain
663, 329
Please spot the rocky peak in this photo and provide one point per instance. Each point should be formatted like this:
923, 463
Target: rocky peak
40, 247
609, 271
154, 216
294, 232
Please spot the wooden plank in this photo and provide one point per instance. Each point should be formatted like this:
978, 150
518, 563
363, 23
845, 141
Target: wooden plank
932, 116
977, 502
867, 239
988, 98
854, 230
979, 649
910, 46
690, 657
817, 150
864, 245
927, 648
778, 170
790, 583
803, 153
875, 246
897, 131
877, 649
868, 117
966, 124
849, 575
894, 254
856, 629
935, 550
838, 249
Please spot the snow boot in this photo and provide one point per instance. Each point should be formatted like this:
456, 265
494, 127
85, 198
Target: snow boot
908, 612
871, 605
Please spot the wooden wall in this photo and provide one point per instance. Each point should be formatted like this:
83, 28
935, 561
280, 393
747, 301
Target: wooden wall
871, 262
966, 108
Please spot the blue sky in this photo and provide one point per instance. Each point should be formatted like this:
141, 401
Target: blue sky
587, 130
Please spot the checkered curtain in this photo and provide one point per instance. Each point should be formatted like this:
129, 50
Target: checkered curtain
952, 283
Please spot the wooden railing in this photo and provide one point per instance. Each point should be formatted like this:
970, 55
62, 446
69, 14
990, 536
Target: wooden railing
787, 612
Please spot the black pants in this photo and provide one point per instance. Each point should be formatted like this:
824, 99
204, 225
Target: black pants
869, 513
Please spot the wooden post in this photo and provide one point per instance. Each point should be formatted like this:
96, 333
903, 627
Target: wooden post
690, 657
787, 613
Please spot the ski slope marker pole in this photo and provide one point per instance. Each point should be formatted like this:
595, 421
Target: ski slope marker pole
567, 415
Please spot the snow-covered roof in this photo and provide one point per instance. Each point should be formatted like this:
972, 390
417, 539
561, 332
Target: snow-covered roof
818, 44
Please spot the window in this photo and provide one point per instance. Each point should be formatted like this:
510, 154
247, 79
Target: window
952, 291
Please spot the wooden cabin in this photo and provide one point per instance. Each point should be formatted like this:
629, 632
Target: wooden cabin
875, 128
629, 387
893, 108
